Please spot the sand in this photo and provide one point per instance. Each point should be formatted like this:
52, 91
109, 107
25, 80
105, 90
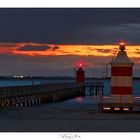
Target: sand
62, 117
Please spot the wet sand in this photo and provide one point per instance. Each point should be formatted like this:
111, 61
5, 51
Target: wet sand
67, 116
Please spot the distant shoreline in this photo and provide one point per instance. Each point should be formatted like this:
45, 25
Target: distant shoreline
50, 78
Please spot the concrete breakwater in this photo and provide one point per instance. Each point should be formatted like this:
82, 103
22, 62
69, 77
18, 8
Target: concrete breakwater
38, 94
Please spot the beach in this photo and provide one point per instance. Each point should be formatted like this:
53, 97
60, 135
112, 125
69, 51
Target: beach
68, 116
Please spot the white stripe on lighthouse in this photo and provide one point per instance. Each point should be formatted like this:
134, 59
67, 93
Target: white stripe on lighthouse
121, 81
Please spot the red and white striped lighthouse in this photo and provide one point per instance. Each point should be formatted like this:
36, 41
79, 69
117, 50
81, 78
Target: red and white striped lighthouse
80, 75
121, 73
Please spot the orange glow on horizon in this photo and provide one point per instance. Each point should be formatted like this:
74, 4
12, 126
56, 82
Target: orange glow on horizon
82, 50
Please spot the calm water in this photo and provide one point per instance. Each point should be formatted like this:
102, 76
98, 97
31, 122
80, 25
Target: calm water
16, 82
83, 102
21, 82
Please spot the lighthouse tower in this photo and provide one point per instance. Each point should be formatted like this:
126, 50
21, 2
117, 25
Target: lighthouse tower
121, 74
80, 75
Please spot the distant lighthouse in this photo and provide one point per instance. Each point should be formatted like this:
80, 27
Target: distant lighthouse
121, 73
80, 75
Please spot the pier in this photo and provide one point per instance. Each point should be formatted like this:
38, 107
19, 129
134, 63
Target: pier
94, 88
18, 96
38, 94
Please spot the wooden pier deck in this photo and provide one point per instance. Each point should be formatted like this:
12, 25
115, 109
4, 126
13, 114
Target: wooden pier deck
38, 94
44, 93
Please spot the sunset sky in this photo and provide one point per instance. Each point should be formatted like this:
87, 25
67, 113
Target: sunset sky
49, 42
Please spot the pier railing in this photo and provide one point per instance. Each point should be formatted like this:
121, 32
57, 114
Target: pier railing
94, 88
44, 93
16, 91
94, 84
37, 94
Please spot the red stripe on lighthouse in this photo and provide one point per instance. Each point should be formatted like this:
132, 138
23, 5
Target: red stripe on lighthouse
121, 71
121, 90
80, 76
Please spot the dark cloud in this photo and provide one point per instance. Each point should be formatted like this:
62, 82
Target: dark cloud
103, 50
55, 48
34, 48
69, 25
8, 45
137, 51
77, 51
65, 52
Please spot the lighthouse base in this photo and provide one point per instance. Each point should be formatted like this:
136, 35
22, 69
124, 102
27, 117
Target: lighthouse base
119, 104
115, 107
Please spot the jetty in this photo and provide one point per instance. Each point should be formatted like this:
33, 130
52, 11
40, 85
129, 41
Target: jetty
32, 95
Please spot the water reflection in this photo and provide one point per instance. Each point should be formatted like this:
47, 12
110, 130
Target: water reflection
81, 102
79, 99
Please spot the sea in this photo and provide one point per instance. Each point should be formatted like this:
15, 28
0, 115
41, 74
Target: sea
106, 81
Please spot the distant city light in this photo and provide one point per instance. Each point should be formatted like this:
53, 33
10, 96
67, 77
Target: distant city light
18, 76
